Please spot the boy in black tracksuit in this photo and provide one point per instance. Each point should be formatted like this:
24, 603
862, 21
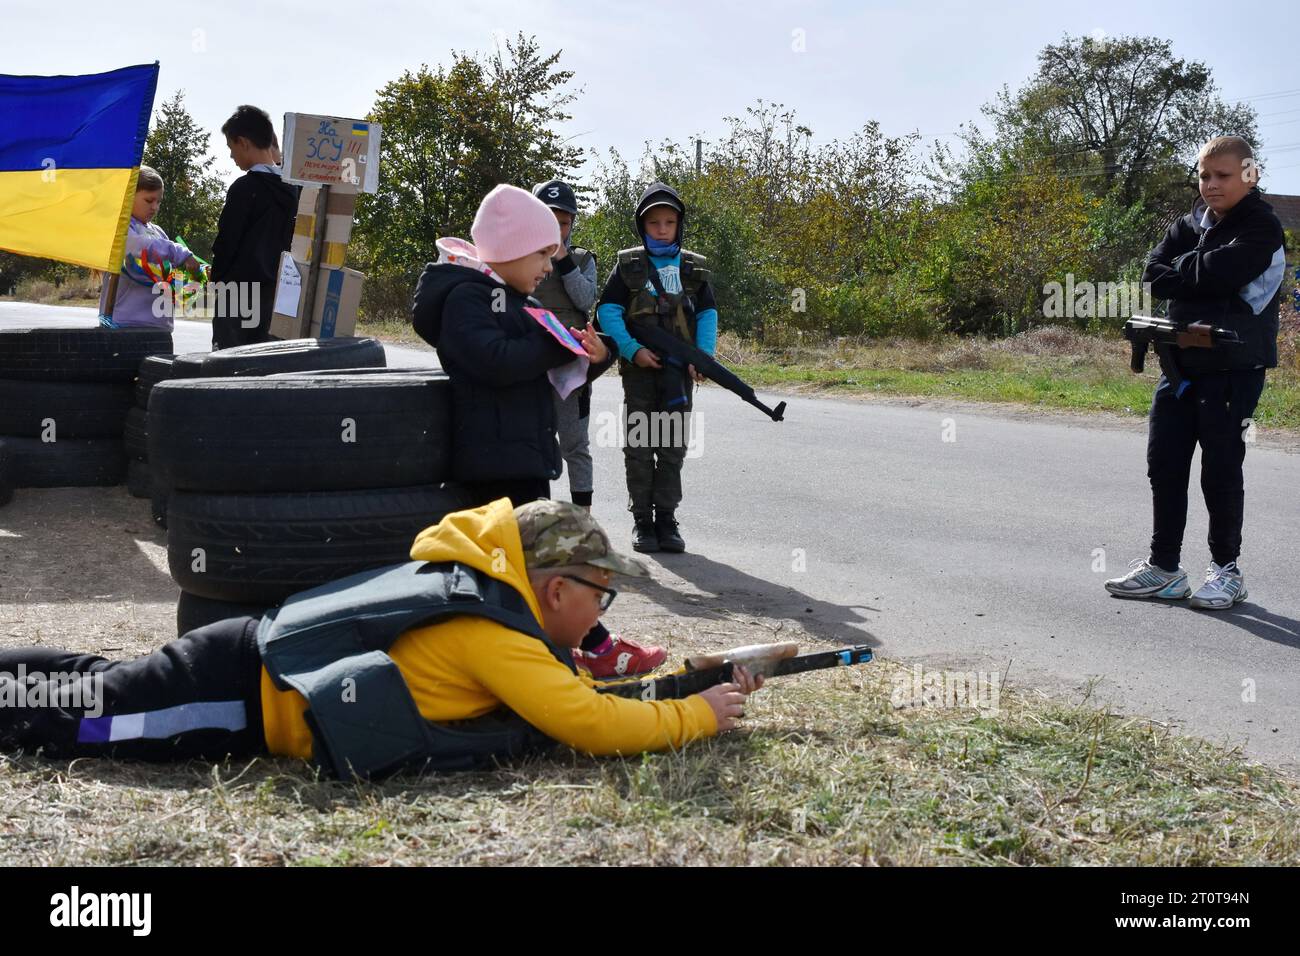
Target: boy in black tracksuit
1222, 264
256, 226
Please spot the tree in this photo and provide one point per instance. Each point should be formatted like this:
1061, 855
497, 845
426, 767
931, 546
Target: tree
451, 135
1123, 114
177, 148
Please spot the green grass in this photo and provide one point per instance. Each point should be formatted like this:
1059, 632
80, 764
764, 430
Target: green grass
826, 772
1048, 368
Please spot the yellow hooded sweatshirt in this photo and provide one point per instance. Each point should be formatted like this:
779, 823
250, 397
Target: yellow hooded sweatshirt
469, 666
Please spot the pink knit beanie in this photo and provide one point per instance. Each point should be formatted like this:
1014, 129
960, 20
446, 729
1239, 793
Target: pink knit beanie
512, 222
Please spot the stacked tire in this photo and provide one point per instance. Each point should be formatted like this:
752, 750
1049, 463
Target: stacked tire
265, 358
153, 370
64, 398
283, 482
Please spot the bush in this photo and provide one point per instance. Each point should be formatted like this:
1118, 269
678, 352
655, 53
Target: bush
878, 307
387, 298
33, 289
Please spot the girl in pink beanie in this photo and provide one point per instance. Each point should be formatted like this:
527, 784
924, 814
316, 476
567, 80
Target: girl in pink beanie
497, 345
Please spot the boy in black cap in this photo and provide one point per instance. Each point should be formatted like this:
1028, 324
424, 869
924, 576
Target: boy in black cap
570, 292
663, 284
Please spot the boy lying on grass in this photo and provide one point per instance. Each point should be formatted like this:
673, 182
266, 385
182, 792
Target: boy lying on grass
211, 694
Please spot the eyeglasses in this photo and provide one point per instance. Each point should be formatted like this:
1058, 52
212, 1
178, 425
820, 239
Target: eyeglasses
606, 598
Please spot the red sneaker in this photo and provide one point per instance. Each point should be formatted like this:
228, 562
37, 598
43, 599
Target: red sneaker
623, 659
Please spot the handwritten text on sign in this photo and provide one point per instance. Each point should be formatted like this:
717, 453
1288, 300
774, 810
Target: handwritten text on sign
341, 152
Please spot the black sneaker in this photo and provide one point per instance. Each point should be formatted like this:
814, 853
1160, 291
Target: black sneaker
644, 537
669, 537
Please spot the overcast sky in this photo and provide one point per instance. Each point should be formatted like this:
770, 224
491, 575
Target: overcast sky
669, 69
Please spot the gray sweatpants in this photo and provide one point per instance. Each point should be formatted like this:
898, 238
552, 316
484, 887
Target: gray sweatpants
575, 444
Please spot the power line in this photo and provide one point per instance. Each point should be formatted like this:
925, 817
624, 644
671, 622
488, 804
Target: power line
1277, 94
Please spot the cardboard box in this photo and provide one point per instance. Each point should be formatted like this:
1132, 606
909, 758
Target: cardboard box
334, 312
339, 213
330, 149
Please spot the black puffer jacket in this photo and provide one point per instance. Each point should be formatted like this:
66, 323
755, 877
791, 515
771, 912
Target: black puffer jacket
503, 415
256, 225
1202, 272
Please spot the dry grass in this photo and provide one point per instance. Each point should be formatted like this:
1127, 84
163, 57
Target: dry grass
827, 772
82, 290
1049, 367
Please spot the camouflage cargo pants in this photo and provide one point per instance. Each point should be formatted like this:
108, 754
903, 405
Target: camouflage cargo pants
654, 439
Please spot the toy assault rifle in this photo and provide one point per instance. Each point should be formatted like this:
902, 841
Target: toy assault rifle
707, 670
1164, 335
678, 354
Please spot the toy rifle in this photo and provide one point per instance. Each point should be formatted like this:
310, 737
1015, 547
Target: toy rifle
707, 670
1164, 335
679, 353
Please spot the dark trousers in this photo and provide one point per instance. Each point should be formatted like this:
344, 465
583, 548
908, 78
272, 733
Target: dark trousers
655, 436
521, 491
1214, 411
198, 696
229, 330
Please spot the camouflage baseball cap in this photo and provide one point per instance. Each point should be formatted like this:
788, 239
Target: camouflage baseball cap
557, 533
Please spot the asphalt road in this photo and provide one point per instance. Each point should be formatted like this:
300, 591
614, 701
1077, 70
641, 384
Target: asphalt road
967, 539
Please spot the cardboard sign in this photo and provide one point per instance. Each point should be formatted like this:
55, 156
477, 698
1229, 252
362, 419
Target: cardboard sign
334, 310
342, 153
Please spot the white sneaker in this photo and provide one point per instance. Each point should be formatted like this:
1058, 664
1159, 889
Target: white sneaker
1224, 586
1145, 580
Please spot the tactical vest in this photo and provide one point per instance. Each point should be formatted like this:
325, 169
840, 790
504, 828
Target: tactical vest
551, 293
330, 645
673, 312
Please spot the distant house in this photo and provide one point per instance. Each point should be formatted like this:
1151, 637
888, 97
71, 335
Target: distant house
1287, 209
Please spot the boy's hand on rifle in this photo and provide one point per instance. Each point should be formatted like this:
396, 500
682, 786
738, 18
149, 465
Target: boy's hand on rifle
699, 378
591, 343
728, 700
646, 359
190, 265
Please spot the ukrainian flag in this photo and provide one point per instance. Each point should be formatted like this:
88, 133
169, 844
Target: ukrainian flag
70, 149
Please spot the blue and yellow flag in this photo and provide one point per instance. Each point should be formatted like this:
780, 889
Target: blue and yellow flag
70, 149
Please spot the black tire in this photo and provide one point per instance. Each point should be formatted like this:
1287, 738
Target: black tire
193, 612
260, 549
139, 479
79, 354
429, 374
136, 434
295, 355
154, 369
71, 463
187, 365
78, 409
158, 498
293, 434
6, 475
